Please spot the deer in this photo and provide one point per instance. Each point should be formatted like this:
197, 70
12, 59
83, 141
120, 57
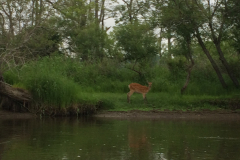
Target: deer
138, 88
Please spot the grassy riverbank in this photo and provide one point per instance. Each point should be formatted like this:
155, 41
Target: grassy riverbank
159, 104
164, 101
63, 84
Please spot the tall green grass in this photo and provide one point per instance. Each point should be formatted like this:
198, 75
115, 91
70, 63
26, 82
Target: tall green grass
47, 81
49, 85
62, 81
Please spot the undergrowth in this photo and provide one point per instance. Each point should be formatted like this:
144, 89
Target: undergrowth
61, 82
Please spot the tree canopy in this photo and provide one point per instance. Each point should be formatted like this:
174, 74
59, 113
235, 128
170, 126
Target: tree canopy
143, 29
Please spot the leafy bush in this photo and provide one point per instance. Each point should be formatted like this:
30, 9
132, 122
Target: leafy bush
11, 77
59, 80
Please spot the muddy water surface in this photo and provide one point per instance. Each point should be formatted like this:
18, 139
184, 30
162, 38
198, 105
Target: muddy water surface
119, 139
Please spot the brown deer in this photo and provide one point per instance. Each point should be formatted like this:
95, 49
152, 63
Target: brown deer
138, 88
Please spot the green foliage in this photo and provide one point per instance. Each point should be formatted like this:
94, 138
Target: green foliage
48, 85
52, 89
60, 81
46, 80
107, 75
137, 41
44, 42
177, 67
11, 76
86, 40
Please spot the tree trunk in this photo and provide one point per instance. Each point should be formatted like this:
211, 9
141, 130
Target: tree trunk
225, 63
15, 94
10, 18
97, 54
190, 67
160, 42
1, 74
102, 13
96, 13
130, 10
1, 77
169, 42
217, 41
36, 12
214, 65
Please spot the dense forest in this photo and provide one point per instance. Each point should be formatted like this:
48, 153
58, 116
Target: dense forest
63, 54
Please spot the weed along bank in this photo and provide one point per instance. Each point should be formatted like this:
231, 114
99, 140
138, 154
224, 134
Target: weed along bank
103, 104
20, 100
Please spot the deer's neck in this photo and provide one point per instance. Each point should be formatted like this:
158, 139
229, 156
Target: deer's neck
149, 87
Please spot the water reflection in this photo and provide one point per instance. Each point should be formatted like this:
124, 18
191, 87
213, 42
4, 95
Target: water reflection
138, 142
102, 138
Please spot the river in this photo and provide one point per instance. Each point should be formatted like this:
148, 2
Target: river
92, 138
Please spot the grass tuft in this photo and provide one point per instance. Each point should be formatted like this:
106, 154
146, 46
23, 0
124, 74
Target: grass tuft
62, 82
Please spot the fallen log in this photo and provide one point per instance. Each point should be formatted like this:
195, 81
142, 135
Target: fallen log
16, 94
20, 100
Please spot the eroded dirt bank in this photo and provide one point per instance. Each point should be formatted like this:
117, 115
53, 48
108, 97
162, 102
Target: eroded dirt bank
11, 115
218, 115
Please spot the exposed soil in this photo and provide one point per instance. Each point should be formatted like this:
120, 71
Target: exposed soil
136, 114
4, 114
205, 114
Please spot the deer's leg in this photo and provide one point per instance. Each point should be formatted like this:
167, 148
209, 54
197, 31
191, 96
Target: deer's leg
144, 97
129, 95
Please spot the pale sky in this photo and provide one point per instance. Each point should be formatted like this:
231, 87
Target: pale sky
110, 22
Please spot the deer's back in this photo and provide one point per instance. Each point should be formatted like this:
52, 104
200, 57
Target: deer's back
138, 88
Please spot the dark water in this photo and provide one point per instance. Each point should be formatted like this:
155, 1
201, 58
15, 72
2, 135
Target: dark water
119, 139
